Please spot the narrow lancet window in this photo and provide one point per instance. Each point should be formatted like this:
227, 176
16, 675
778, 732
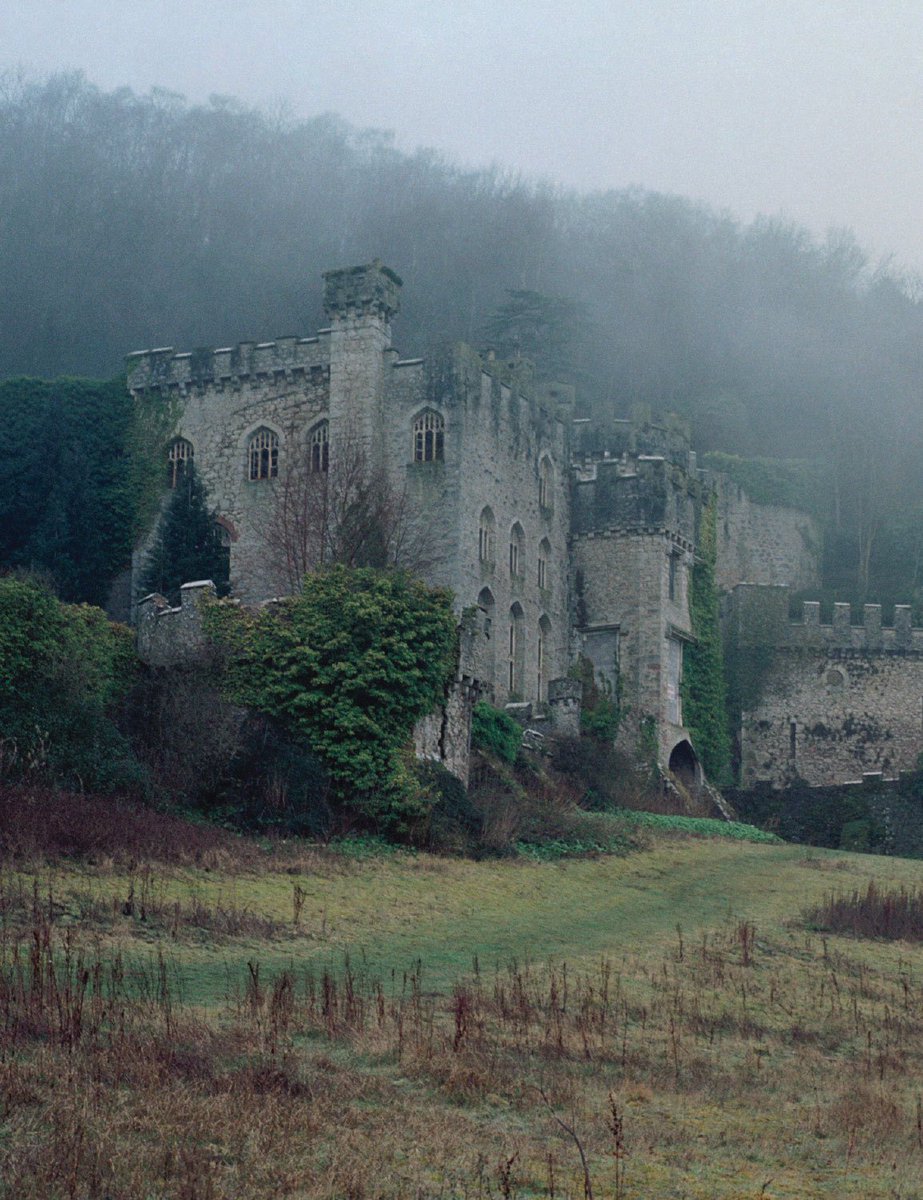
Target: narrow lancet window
320, 447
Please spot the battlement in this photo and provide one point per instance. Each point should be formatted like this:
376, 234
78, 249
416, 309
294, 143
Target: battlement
284, 358
598, 439
635, 492
170, 636
368, 290
761, 616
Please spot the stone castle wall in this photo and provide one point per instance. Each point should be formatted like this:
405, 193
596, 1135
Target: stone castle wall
833, 701
611, 507
221, 398
633, 553
763, 544
499, 430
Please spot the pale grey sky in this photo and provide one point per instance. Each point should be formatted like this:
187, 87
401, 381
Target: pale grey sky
808, 108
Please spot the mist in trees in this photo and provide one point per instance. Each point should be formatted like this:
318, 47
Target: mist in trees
128, 221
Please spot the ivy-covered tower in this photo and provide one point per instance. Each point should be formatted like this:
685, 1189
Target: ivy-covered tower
637, 498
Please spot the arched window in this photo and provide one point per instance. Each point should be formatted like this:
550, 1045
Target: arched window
544, 554
487, 538
546, 484
544, 645
428, 437
179, 461
320, 447
517, 552
263, 455
486, 602
516, 653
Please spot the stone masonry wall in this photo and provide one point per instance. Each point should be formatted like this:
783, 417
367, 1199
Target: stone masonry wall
221, 399
623, 582
498, 432
834, 701
167, 636
763, 544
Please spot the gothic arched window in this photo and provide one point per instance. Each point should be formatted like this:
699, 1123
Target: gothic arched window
544, 554
320, 447
517, 552
546, 484
544, 644
429, 437
179, 461
516, 652
487, 538
263, 455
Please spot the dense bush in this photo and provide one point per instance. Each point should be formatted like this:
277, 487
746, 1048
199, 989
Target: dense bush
183, 730
350, 664
66, 494
274, 783
605, 779
495, 732
454, 821
62, 669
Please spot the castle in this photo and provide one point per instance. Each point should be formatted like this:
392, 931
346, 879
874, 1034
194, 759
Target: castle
568, 544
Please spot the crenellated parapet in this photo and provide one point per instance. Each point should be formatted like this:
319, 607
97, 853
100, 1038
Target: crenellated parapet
368, 290
286, 358
601, 438
168, 636
760, 616
639, 493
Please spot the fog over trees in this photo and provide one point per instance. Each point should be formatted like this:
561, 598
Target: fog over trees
129, 221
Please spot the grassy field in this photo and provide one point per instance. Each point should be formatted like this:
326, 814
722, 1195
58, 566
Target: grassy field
320, 1024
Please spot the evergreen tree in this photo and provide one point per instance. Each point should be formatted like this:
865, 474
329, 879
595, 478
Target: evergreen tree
548, 330
187, 545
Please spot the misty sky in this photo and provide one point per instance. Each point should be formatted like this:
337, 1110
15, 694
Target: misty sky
809, 108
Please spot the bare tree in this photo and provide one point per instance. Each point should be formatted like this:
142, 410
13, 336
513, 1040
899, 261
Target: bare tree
351, 513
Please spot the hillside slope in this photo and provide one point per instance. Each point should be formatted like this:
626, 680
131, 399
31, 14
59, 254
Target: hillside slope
314, 1023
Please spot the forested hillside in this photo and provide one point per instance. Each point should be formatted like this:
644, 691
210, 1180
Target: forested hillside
129, 221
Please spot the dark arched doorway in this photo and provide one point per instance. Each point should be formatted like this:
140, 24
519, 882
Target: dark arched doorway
684, 766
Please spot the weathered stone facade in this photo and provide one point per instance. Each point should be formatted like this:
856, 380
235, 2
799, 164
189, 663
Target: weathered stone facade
562, 541
763, 543
829, 702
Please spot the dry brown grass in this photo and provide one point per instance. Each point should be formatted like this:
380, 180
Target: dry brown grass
748, 1061
524, 1082
892, 913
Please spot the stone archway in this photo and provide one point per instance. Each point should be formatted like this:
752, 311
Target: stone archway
684, 766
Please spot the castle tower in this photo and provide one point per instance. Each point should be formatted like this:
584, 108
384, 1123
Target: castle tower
359, 303
633, 544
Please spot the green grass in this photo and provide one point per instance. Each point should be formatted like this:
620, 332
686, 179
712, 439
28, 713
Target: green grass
747, 1034
700, 826
392, 910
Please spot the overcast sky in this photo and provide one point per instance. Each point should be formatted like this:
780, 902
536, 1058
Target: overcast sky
808, 108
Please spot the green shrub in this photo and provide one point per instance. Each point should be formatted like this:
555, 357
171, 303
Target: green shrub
349, 664
495, 732
454, 820
62, 669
